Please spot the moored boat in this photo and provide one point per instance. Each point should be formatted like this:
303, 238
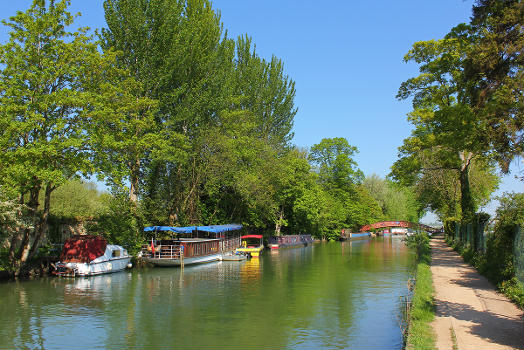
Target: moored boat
347, 235
233, 257
252, 245
90, 255
207, 244
276, 242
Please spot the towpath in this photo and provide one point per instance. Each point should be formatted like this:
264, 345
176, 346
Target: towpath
470, 313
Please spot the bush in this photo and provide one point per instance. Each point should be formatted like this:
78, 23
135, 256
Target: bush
497, 263
119, 225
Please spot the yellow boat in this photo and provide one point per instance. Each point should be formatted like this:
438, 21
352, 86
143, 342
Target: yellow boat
252, 245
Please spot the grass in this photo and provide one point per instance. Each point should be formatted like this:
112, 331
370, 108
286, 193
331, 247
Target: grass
422, 313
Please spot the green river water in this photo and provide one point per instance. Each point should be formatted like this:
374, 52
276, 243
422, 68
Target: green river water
324, 296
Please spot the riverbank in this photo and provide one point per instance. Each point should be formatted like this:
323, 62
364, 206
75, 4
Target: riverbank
470, 313
422, 311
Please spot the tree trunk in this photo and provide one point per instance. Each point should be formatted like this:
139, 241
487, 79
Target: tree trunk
42, 227
16, 236
278, 225
133, 191
13, 245
23, 252
466, 200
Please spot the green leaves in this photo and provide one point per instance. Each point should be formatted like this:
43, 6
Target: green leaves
336, 166
449, 133
42, 101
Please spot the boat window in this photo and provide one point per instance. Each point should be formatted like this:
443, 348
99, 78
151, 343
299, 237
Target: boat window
116, 253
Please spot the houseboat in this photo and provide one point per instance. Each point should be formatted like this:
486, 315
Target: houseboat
251, 245
90, 255
190, 245
276, 242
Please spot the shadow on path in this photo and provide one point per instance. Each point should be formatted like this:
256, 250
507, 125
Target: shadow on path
500, 323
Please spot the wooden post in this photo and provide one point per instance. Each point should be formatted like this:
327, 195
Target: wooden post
182, 256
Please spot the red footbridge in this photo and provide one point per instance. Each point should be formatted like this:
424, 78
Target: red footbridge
402, 224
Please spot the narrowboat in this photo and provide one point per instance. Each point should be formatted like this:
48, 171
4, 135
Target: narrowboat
251, 245
205, 244
276, 242
85, 255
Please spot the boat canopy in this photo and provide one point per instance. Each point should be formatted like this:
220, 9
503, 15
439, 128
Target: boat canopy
83, 248
252, 236
189, 229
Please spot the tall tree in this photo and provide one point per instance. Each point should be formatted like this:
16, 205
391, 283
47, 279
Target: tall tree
179, 54
334, 161
266, 91
122, 130
42, 106
495, 74
447, 127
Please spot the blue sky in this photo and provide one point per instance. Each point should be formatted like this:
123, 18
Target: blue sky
346, 58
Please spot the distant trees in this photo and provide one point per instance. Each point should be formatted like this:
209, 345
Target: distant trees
396, 202
348, 204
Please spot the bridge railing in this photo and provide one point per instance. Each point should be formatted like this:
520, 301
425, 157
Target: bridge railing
404, 224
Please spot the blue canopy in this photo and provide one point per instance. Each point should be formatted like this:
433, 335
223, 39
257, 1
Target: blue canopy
189, 229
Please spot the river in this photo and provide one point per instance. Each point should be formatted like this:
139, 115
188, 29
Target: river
327, 295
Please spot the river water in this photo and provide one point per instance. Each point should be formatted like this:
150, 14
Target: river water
325, 296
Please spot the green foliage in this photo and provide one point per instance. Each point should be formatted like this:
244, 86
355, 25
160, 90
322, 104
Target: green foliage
79, 200
44, 108
513, 289
499, 253
191, 126
334, 161
42, 101
118, 224
497, 263
266, 91
448, 134
495, 74
397, 202
348, 204
420, 242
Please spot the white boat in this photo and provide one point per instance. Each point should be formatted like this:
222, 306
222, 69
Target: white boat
216, 242
89, 256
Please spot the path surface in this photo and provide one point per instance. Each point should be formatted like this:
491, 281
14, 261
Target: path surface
470, 313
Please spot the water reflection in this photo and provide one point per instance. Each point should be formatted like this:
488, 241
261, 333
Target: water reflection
328, 296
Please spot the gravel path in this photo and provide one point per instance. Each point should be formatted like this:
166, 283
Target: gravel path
470, 313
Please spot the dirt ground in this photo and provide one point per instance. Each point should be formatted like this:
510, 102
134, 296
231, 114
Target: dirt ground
470, 313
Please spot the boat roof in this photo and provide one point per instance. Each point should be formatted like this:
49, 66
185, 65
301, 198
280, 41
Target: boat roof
189, 229
83, 248
252, 236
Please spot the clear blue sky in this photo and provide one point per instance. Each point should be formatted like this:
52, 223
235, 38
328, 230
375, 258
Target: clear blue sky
345, 57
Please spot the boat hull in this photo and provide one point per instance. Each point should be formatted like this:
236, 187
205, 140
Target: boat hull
233, 257
289, 241
185, 261
93, 269
254, 252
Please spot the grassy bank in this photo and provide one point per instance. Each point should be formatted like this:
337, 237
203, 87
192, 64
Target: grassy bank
422, 312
